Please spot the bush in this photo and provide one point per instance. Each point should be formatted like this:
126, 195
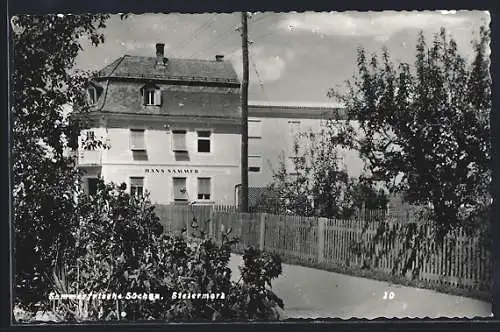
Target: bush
121, 248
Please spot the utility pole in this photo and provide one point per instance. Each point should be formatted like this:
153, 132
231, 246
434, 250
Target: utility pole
244, 116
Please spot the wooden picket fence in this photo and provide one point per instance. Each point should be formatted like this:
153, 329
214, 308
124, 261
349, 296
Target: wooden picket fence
176, 217
466, 264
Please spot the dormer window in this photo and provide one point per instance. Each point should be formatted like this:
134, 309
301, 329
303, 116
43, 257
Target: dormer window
151, 95
92, 95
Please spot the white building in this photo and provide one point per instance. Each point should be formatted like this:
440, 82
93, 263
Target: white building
173, 127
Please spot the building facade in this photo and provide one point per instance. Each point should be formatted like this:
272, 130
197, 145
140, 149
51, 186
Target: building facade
273, 129
172, 127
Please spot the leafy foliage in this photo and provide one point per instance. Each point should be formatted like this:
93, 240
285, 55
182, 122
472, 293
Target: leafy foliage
425, 130
317, 184
45, 180
365, 195
252, 299
425, 133
121, 248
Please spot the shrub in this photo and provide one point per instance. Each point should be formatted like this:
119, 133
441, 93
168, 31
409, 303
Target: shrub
120, 248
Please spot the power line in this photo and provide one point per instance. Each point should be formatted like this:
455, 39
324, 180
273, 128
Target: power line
260, 18
259, 78
227, 34
197, 32
312, 63
231, 31
265, 35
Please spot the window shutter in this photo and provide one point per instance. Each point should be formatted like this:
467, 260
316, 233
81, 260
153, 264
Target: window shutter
157, 97
204, 133
204, 186
254, 128
136, 182
92, 95
254, 161
137, 140
179, 140
145, 96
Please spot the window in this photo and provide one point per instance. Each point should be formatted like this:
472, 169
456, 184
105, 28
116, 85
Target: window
204, 141
294, 124
92, 95
179, 140
137, 186
204, 188
138, 144
180, 191
92, 186
90, 135
254, 163
137, 141
151, 95
254, 129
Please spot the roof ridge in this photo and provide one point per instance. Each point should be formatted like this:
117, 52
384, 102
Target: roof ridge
176, 58
140, 67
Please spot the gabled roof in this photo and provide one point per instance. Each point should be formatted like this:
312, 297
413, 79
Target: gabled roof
175, 69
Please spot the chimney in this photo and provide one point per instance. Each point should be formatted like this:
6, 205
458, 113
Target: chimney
160, 53
219, 57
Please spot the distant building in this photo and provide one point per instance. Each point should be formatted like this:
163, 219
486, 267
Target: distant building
273, 129
173, 126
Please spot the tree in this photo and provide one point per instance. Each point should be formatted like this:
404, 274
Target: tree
287, 194
364, 194
425, 129
328, 182
45, 180
318, 185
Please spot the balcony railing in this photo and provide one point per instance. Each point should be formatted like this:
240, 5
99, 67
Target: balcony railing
89, 157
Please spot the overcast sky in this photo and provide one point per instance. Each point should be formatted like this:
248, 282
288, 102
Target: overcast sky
294, 57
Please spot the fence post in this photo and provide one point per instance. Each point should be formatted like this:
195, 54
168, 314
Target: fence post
262, 234
187, 216
321, 239
211, 223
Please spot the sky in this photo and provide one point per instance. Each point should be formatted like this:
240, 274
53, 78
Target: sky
294, 57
